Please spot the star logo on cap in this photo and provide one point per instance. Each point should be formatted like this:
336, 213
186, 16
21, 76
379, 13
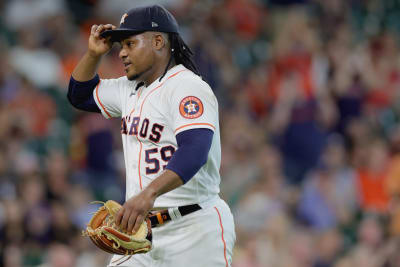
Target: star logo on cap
153, 24
123, 18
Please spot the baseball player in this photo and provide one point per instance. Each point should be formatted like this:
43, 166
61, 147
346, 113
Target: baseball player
171, 139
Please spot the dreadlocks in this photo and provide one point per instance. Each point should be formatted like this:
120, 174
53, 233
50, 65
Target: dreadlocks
181, 53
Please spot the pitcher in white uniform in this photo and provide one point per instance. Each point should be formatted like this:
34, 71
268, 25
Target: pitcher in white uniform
171, 138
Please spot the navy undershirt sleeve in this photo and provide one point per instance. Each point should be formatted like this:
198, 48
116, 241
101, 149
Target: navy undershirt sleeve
192, 152
80, 94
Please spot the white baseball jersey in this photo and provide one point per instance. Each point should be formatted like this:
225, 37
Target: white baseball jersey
151, 117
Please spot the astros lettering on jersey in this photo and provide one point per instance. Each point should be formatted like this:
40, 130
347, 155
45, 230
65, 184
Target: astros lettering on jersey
151, 117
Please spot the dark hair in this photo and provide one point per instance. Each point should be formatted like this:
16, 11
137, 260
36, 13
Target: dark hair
181, 53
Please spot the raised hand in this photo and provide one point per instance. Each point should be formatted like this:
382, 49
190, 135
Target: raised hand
98, 45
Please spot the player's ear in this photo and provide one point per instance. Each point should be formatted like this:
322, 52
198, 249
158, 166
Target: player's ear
158, 41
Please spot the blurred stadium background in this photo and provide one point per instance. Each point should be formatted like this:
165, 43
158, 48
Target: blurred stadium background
309, 95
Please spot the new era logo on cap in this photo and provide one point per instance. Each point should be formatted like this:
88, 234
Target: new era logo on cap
123, 18
153, 24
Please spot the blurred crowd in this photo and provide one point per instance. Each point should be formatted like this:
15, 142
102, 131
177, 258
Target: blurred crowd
309, 94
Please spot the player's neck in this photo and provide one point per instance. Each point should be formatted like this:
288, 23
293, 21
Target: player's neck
158, 71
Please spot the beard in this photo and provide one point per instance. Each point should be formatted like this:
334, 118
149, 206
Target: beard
136, 76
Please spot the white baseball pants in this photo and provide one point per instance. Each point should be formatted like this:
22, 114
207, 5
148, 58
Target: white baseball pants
204, 238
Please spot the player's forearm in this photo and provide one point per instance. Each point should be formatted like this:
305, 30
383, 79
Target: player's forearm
166, 182
86, 68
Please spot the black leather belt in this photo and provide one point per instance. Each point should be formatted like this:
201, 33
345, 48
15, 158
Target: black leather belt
160, 217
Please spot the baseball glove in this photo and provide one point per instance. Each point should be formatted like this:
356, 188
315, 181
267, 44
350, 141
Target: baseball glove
104, 233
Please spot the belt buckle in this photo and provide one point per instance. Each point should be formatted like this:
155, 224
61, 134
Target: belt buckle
158, 217
161, 218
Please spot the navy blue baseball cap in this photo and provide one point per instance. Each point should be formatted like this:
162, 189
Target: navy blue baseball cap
141, 19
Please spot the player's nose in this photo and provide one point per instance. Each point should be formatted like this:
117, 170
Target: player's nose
123, 53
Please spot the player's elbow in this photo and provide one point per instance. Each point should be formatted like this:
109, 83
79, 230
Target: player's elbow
83, 104
193, 149
203, 159
73, 101
80, 96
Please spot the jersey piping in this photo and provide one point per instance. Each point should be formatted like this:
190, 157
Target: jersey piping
140, 114
222, 235
191, 124
101, 104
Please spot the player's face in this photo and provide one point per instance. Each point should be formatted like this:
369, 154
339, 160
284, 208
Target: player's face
137, 56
